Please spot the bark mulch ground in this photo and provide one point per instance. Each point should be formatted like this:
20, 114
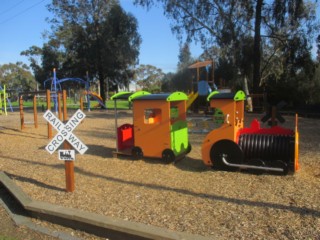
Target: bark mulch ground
186, 196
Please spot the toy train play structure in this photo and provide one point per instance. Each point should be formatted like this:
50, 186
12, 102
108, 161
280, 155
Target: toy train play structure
160, 130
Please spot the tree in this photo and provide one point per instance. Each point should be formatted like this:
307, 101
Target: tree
185, 58
215, 24
167, 82
315, 88
225, 24
94, 36
257, 47
43, 60
318, 48
149, 78
182, 81
17, 77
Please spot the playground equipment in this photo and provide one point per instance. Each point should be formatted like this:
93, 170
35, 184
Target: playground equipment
56, 87
35, 111
159, 128
234, 147
203, 87
191, 98
3, 100
95, 96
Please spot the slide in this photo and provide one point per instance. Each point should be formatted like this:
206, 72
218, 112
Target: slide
191, 97
97, 97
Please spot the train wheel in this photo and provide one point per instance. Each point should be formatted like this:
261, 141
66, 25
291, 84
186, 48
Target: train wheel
228, 150
168, 156
137, 153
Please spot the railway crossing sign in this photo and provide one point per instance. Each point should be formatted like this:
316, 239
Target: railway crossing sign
65, 131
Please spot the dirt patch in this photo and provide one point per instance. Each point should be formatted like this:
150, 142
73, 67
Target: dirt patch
186, 196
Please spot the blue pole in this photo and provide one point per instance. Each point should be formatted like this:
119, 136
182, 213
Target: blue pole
55, 90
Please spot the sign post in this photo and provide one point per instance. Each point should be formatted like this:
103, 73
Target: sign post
68, 165
68, 139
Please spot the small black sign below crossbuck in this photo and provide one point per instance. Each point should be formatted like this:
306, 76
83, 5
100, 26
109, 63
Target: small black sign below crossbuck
67, 155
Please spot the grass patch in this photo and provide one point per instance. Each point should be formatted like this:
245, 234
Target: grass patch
120, 104
75, 105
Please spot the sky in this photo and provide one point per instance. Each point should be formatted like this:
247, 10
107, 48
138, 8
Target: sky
22, 23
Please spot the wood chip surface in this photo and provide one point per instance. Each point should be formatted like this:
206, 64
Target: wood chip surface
186, 196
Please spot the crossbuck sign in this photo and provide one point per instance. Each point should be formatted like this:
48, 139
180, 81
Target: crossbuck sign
65, 131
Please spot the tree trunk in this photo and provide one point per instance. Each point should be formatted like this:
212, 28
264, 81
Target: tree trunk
102, 86
249, 99
99, 62
257, 48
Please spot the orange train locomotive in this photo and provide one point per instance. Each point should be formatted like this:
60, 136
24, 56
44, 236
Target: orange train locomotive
232, 146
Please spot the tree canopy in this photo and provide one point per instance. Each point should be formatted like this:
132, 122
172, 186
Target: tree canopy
94, 36
256, 43
149, 78
185, 58
17, 76
260, 40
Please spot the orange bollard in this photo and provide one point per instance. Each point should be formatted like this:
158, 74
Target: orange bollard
35, 113
21, 112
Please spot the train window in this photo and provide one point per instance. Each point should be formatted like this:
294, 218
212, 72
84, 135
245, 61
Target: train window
218, 117
152, 116
174, 113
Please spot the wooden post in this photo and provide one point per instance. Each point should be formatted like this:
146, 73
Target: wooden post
296, 147
81, 103
59, 106
49, 108
35, 112
69, 165
21, 112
